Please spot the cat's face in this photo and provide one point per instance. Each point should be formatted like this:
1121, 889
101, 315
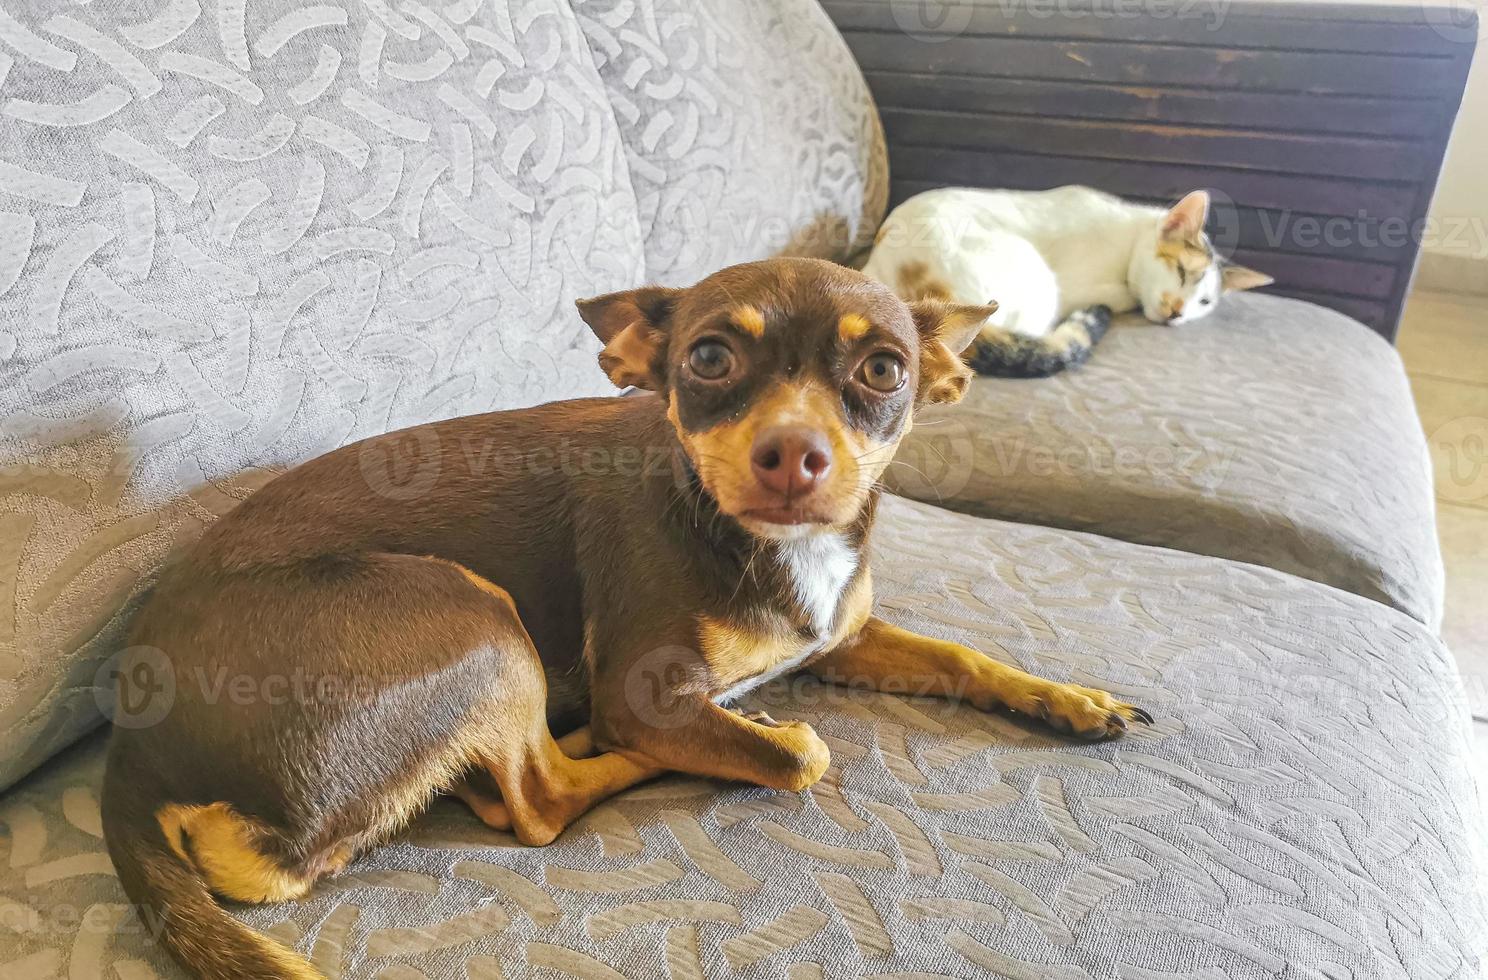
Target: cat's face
1175, 272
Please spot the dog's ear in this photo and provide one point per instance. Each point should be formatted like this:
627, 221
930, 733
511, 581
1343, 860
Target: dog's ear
946, 329
633, 325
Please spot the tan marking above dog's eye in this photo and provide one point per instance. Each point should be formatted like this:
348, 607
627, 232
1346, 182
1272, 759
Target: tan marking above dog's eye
711, 360
852, 327
750, 320
883, 372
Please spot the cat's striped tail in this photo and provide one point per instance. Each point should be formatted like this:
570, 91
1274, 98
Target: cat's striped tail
1004, 354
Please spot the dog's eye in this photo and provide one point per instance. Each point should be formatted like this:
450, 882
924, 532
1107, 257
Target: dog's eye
883, 372
711, 360
1205, 301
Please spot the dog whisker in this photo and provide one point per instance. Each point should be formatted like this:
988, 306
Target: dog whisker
931, 483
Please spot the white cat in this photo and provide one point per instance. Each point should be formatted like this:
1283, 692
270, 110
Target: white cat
1058, 263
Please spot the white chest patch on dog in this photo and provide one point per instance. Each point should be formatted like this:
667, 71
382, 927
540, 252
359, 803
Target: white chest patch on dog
819, 567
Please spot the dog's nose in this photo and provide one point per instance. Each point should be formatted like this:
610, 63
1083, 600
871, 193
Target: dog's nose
791, 460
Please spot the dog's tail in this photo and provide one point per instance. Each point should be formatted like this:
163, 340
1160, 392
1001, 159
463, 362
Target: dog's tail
1005, 354
175, 905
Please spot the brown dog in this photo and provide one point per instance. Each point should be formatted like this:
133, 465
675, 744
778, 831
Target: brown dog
626, 564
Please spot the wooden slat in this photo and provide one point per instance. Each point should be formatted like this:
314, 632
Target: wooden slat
1264, 229
1377, 159
1306, 193
1315, 273
1206, 23
1147, 64
1273, 111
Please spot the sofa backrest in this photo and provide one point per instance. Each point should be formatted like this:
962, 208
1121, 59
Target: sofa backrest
747, 129
234, 238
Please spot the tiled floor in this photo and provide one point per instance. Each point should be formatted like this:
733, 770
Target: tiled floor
1444, 341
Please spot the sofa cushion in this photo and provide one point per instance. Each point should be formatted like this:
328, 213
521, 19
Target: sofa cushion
748, 127
1302, 806
1274, 432
233, 237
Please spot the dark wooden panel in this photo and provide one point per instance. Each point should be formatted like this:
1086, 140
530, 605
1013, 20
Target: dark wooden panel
1334, 236
1344, 156
1150, 64
1272, 111
1343, 277
1324, 124
1403, 29
1306, 193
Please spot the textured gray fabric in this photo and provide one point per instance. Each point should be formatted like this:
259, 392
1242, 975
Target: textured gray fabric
748, 128
1301, 808
235, 240
235, 236
1275, 432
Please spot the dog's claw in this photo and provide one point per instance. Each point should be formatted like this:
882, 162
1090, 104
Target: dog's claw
1085, 713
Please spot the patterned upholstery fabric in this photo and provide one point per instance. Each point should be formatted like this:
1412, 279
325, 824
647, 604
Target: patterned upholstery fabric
1298, 810
233, 236
1274, 432
732, 157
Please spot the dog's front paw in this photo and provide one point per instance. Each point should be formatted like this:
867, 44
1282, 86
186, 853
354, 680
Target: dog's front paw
806, 755
1084, 712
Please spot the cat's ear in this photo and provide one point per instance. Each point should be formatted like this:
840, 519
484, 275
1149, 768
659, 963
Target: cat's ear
1237, 277
946, 329
1184, 221
634, 326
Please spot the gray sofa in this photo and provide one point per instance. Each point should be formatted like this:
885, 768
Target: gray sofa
231, 238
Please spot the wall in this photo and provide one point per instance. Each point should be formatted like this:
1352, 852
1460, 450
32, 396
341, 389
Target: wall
1455, 244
